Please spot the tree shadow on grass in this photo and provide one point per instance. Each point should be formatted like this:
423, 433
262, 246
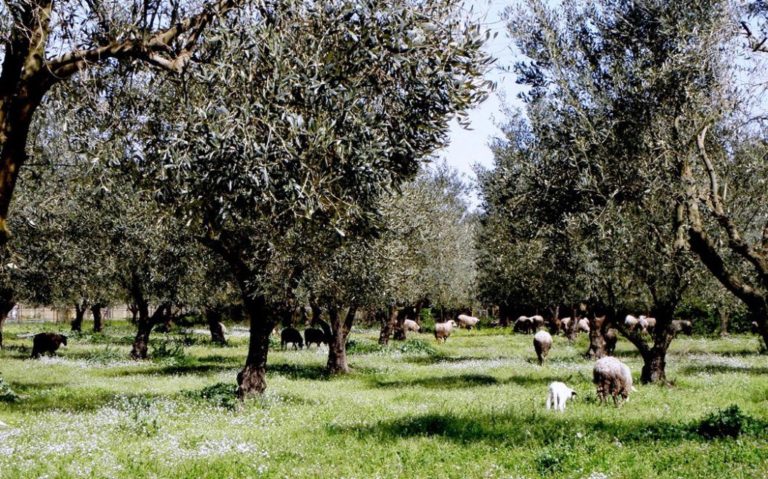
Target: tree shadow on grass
724, 369
59, 396
298, 371
440, 382
515, 428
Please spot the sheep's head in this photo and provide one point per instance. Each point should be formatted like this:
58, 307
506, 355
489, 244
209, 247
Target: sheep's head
452, 323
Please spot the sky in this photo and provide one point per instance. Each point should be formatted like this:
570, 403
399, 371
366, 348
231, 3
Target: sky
468, 147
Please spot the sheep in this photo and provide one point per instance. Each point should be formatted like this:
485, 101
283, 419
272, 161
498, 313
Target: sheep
538, 321
411, 325
582, 326
467, 321
754, 327
443, 330
524, 324
630, 322
292, 336
682, 326
613, 377
611, 337
646, 324
315, 336
47, 343
542, 343
565, 324
559, 393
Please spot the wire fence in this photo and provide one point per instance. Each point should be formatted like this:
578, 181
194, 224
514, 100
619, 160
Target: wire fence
40, 314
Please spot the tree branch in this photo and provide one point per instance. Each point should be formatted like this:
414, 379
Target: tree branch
155, 49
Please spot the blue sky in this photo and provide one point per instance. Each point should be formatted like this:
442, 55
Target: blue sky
470, 147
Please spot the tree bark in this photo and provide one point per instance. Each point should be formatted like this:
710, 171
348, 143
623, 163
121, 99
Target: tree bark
654, 365
725, 320
337, 349
213, 316
134, 312
80, 309
251, 380
6, 305
598, 325
146, 323
98, 325
388, 322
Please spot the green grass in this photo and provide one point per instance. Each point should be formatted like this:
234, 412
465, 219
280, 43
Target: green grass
473, 407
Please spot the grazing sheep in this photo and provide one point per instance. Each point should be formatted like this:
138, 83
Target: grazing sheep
630, 322
524, 324
291, 336
611, 337
754, 327
443, 330
315, 336
646, 324
565, 324
542, 343
467, 321
582, 326
47, 343
612, 377
682, 326
559, 393
538, 321
411, 325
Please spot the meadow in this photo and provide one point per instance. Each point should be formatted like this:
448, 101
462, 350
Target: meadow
470, 408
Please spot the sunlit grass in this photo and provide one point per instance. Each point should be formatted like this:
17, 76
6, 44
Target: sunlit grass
472, 407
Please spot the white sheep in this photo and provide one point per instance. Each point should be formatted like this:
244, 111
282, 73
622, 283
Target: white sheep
583, 325
467, 321
538, 321
559, 393
646, 324
443, 330
542, 343
630, 322
565, 324
613, 377
411, 325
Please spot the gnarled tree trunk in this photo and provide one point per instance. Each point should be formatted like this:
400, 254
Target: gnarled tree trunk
80, 309
134, 309
337, 349
6, 305
213, 317
388, 322
98, 325
251, 380
598, 325
146, 323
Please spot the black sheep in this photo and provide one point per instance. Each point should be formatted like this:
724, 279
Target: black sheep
47, 343
314, 336
291, 335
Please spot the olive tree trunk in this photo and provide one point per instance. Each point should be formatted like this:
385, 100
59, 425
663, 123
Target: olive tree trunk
80, 309
337, 349
251, 380
98, 324
388, 322
146, 323
6, 305
213, 316
598, 325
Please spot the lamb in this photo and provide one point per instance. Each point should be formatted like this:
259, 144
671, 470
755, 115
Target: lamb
613, 377
559, 393
542, 343
682, 326
611, 337
443, 330
47, 343
411, 325
292, 336
315, 336
630, 322
467, 321
583, 325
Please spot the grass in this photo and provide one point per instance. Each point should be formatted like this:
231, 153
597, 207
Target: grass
472, 407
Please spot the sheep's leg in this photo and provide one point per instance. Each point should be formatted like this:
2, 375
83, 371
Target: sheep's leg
549, 401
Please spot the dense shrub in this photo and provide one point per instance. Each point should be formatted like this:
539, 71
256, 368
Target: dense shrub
6, 393
728, 422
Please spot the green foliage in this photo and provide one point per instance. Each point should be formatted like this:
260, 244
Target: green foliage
169, 348
142, 417
6, 393
219, 394
728, 422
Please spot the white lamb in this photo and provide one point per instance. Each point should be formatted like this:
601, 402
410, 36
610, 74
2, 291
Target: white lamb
443, 330
630, 322
467, 321
559, 393
583, 325
411, 325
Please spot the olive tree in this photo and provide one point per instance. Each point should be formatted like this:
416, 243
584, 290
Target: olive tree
617, 91
316, 113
